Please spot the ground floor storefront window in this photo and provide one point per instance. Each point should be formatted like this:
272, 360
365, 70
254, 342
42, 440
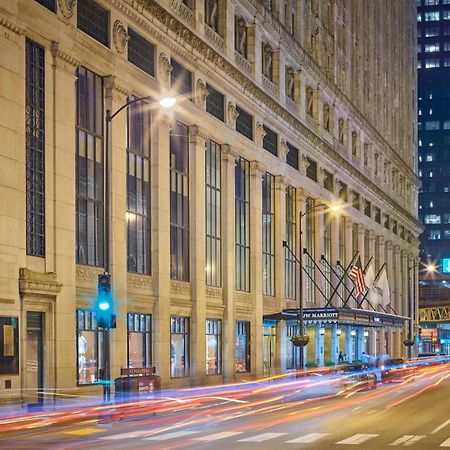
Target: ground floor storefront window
139, 340
89, 345
291, 330
179, 347
213, 346
242, 346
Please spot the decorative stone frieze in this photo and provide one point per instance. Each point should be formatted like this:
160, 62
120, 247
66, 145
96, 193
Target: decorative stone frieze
232, 114
67, 7
37, 283
120, 36
213, 292
180, 288
200, 93
165, 68
87, 274
135, 281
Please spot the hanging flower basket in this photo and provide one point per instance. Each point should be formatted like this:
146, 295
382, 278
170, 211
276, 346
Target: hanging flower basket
300, 340
408, 342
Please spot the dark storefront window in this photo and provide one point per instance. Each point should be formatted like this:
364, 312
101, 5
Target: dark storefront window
179, 347
213, 346
268, 233
139, 340
242, 346
290, 264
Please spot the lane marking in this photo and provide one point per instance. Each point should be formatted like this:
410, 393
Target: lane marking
307, 438
442, 425
407, 440
213, 437
131, 434
83, 431
446, 443
167, 436
357, 439
262, 437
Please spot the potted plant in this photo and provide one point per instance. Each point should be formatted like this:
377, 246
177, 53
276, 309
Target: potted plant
300, 340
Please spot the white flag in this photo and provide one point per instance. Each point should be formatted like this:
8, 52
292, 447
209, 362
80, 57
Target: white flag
369, 278
382, 284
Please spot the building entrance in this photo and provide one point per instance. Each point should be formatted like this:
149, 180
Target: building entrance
35, 358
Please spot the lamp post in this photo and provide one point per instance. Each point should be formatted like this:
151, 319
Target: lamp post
409, 342
300, 322
166, 102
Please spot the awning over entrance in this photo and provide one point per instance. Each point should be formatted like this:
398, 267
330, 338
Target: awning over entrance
341, 316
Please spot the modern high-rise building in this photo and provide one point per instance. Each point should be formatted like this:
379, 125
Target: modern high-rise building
282, 108
433, 63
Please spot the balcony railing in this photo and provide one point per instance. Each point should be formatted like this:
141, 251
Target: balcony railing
214, 38
182, 11
291, 105
244, 64
269, 87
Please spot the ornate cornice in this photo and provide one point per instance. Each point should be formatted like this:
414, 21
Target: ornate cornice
11, 26
57, 53
37, 283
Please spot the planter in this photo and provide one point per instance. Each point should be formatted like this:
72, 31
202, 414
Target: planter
408, 342
300, 341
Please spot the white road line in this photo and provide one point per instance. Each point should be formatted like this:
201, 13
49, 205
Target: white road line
442, 425
357, 439
445, 443
223, 435
407, 440
262, 437
131, 434
307, 438
167, 436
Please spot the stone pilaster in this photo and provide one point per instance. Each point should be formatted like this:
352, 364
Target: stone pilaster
256, 172
197, 141
280, 235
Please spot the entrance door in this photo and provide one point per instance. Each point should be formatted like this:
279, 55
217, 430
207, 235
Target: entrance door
268, 349
35, 353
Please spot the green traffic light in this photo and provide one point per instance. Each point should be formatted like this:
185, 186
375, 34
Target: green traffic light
104, 306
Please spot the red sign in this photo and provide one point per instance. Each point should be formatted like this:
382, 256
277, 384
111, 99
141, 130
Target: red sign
138, 371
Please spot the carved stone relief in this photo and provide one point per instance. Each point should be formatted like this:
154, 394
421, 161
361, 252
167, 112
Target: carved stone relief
303, 164
201, 93
67, 7
120, 36
284, 149
232, 114
260, 133
165, 68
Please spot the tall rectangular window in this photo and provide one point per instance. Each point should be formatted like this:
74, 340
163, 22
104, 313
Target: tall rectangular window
242, 356
139, 340
291, 351
292, 156
244, 123
242, 224
270, 141
181, 78
89, 345
327, 254
215, 103
93, 20
179, 202
179, 347
290, 264
141, 52
35, 149
213, 346
49, 4
138, 189
268, 234
310, 247
89, 168
213, 215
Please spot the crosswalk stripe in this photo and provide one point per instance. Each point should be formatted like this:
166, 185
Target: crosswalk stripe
166, 436
407, 440
357, 439
446, 443
307, 438
223, 435
261, 437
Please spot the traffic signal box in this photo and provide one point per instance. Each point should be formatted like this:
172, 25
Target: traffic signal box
106, 318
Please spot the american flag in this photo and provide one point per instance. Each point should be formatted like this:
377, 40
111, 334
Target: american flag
358, 276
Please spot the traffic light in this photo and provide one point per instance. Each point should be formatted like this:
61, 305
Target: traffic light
106, 318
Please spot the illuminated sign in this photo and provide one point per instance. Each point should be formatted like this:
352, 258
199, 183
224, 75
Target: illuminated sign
445, 265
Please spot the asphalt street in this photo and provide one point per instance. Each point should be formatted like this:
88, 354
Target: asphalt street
412, 412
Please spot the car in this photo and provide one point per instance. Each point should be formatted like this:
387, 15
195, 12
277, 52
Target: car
356, 376
394, 368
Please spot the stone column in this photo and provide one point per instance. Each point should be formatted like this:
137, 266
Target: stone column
197, 143
280, 235
397, 279
229, 262
334, 344
349, 252
116, 97
334, 256
319, 219
349, 343
256, 172
361, 244
161, 238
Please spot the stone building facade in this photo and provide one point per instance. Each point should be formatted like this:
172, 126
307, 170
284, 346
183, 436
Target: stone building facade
281, 106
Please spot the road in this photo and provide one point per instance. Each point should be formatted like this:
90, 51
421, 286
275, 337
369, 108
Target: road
285, 413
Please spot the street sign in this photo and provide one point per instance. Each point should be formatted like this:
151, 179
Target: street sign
144, 371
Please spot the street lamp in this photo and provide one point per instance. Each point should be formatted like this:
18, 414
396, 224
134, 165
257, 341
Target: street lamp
409, 342
335, 207
166, 102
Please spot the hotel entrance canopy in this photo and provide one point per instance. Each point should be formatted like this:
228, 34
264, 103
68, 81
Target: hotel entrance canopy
341, 316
